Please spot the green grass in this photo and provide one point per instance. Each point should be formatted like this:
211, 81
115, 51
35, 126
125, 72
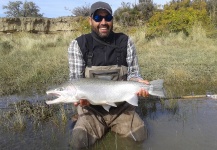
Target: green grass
33, 62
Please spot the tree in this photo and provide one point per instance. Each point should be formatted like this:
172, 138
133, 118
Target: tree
80, 11
146, 9
145, 1
123, 14
20, 9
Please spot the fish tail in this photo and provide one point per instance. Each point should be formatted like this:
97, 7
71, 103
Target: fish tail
156, 88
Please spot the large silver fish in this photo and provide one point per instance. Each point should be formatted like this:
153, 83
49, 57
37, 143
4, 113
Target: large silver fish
103, 92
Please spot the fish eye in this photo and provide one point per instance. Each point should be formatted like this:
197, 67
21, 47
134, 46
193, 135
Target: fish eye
61, 89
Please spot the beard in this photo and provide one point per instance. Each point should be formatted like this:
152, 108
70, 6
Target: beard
102, 34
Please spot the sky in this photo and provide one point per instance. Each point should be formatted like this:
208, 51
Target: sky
57, 8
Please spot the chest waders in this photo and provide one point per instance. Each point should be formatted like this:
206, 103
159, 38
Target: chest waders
113, 72
94, 121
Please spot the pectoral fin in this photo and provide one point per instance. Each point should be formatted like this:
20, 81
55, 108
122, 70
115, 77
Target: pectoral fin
133, 100
106, 107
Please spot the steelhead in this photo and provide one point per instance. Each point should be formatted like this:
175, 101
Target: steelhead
103, 92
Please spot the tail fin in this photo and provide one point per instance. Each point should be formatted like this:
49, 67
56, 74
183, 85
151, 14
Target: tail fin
157, 88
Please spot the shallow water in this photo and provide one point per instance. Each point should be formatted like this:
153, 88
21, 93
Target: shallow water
6, 100
193, 126
189, 125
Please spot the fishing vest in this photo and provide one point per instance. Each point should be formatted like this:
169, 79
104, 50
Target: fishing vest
104, 60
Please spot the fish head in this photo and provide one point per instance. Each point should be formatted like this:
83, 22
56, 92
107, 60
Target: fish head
66, 92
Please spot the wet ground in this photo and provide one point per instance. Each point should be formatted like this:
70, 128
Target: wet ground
175, 124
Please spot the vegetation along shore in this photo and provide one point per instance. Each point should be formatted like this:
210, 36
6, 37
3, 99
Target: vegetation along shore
32, 63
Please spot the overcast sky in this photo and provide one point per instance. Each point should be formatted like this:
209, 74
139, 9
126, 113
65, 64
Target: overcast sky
56, 8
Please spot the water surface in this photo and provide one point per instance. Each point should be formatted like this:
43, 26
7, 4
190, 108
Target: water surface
187, 124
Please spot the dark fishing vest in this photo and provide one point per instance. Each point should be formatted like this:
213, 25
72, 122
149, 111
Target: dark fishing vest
104, 59
99, 53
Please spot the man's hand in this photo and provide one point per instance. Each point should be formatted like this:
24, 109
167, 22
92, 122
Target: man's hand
142, 92
82, 103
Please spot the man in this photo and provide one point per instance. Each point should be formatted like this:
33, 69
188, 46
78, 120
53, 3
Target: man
106, 55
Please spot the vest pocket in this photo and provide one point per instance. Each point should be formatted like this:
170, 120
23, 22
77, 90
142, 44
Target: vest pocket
106, 72
113, 75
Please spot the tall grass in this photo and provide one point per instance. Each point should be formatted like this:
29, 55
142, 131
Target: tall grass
186, 63
33, 62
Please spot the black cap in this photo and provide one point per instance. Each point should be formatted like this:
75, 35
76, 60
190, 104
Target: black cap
100, 5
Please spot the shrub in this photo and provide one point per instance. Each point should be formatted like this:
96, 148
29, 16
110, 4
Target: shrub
5, 47
178, 16
137, 14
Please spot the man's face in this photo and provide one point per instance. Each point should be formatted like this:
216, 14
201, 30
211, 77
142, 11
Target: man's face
103, 27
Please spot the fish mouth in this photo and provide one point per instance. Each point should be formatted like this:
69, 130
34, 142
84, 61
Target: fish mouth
53, 94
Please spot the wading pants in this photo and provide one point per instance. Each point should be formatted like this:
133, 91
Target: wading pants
93, 122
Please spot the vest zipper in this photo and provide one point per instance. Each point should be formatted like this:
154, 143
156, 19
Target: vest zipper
105, 57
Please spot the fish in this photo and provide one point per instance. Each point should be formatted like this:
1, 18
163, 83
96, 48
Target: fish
106, 93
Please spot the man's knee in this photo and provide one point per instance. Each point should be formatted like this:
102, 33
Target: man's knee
139, 134
81, 139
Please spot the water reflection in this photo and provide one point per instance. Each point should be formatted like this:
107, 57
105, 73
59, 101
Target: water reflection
172, 124
193, 126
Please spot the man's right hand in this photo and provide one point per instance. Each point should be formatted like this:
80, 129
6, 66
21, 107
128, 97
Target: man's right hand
82, 103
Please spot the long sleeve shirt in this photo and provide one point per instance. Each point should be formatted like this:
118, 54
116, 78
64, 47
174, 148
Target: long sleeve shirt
77, 63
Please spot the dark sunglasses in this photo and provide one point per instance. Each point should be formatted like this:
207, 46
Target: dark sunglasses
99, 18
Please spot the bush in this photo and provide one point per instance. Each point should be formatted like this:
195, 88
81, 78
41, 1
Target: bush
5, 47
137, 14
83, 25
178, 16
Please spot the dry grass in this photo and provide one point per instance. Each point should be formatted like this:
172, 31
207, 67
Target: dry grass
33, 61
187, 64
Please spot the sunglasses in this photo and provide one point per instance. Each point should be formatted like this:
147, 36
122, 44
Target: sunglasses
99, 18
